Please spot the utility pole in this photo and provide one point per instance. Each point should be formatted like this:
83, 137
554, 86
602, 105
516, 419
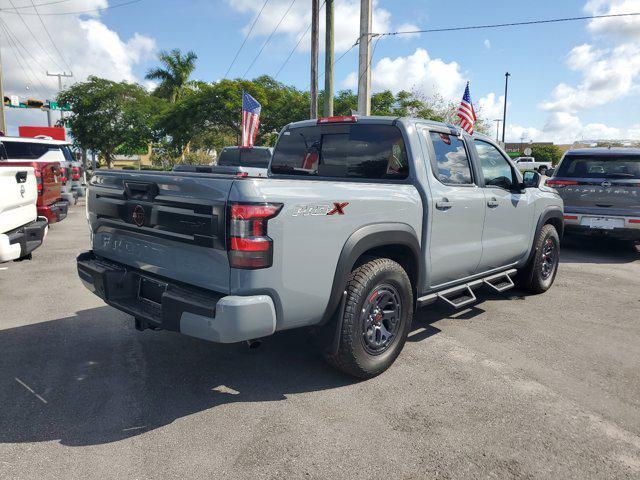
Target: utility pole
313, 110
3, 124
60, 75
497, 120
50, 121
364, 59
328, 60
504, 115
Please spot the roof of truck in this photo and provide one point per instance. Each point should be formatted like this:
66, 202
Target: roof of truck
49, 141
604, 151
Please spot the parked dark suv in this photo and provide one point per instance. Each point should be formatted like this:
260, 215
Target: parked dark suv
601, 191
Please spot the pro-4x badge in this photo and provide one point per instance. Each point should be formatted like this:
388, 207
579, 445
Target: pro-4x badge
317, 210
338, 208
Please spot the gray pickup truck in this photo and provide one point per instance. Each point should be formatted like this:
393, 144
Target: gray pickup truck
360, 221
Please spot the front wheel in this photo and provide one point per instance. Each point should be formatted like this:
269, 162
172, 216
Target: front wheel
376, 320
540, 272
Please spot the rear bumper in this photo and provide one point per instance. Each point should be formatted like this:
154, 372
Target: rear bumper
22, 241
577, 223
55, 212
176, 307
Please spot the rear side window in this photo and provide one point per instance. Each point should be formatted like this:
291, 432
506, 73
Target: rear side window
27, 150
603, 166
349, 151
249, 157
451, 163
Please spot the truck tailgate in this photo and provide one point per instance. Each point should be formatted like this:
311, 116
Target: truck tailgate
171, 224
17, 196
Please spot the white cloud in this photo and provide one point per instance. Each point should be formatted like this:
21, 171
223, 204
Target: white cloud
346, 20
565, 128
491, 107
89, 47
417, 71
626, 28
487, 44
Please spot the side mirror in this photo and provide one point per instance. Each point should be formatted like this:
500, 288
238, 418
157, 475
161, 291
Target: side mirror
531, 179
550, 172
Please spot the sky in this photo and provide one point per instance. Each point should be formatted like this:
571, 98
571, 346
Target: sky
569, 81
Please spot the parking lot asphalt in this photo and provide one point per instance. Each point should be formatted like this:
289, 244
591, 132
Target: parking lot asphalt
517, 386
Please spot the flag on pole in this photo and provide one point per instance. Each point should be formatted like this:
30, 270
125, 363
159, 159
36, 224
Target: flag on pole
466, 113
250, 120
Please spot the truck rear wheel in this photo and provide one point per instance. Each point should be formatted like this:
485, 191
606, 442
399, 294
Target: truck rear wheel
540, 272
376, 319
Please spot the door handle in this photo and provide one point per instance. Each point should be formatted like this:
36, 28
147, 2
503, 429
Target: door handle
493, 203
445, 204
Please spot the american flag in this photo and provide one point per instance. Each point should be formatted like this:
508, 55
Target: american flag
250, 119
466, 113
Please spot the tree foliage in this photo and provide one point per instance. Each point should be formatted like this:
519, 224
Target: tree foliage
546, 153
173, 74
107, 116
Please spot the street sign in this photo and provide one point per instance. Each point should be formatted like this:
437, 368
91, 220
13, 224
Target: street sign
527, 151
15, 101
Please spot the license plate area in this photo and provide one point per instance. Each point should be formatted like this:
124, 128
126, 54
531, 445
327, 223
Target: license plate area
602, 223
150, 290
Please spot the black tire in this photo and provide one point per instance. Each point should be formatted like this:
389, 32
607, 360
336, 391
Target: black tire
356, 355
542, 170
540, 272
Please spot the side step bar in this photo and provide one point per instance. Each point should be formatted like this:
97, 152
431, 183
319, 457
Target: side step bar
462, 295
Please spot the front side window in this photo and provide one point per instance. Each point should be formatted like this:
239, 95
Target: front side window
342, 150
495, 168
451, 163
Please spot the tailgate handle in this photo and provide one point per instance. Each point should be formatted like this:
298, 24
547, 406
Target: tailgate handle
141, 190
21, 177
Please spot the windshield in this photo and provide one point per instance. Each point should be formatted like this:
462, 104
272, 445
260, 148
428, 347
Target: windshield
600, 166
245, 157
351, 150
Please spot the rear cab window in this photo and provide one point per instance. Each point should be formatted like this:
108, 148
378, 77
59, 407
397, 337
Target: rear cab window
600, 166
36, 151
244, 157
451, 164
365, 151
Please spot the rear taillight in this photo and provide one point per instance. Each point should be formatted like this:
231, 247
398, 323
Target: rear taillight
633, 220
75, 173
249, 246
39, 181
560, 183
63, 175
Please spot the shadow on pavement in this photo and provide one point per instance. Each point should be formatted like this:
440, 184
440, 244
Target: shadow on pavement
93, 379
584, 249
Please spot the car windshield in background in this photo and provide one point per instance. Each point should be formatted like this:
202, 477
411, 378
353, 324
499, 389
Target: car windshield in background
245, 157
30, 151
600, 166
351, 150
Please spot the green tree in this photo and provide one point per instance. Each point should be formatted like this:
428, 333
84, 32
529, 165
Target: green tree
109, 116
546, 153
174, 73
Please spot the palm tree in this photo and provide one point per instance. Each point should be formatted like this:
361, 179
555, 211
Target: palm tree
174, 74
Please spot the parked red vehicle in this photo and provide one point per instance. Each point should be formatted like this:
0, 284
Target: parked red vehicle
15, 151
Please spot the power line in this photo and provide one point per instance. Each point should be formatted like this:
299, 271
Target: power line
35, 8
253, 24
269, 38
17, 57
46, 51
501, 25
22, 7
341, 57
16, 42
297, 44
82, 12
